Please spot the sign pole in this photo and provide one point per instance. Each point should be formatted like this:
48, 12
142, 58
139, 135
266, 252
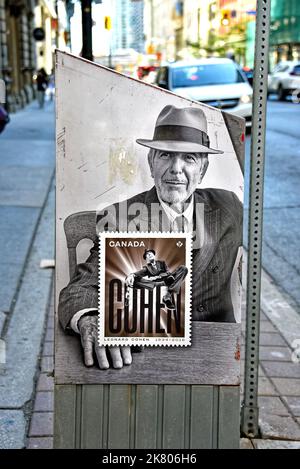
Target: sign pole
250, 408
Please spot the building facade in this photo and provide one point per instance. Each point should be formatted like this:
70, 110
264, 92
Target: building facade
17, 51
285, 31
21, 51
181, 29
127, 25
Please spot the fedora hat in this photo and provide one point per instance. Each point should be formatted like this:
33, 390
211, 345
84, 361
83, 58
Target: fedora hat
180, 130
146, 252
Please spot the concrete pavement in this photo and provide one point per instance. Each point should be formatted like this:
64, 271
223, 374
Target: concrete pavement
27, 236
27, 312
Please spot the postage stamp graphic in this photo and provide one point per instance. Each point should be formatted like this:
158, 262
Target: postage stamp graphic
145, 289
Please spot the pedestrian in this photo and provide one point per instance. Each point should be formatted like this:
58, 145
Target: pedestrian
51, 86
42, 84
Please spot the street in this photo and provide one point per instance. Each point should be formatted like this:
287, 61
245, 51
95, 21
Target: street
281, 248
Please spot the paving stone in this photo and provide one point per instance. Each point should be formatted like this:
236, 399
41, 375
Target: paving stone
293, 403
29, 198
21, 186
45, 382
11, 222
267, 338
12, 429
40, 154
40, 443
49, 335
265, 387
272, 405
263, 317
282, 314
26, 326
47, 364
245, 443
287, 386
43, 401
41, 424
275, 353
279, 427
267, 326
48, 349
276, 444
50, 322
281, 369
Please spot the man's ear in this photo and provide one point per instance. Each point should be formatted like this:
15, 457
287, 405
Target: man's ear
204, 166
150, 162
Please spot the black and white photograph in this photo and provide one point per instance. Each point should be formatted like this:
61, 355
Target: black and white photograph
175, 167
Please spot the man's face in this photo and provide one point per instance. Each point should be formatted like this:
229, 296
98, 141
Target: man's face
176, 175
150, 257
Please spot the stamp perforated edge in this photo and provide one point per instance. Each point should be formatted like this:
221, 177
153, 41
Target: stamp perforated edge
146, 341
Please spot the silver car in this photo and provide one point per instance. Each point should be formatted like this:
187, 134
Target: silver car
285, 79
214, 81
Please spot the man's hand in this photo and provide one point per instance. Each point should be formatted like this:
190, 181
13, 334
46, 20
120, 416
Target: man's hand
130, 280
120, 356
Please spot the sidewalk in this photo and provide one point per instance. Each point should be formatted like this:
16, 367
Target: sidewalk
27, 311
279, 378
27, 237
279, 375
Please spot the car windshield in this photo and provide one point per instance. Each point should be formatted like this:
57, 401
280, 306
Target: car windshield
207, 74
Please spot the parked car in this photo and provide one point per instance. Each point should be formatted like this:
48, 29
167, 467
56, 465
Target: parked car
214, 81
284, 79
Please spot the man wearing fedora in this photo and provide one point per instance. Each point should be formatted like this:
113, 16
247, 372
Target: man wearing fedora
178, 160
157, 273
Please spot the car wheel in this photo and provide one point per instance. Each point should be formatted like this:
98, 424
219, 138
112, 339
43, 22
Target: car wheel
281, 93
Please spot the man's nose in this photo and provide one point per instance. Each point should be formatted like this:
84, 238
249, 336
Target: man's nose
176, 164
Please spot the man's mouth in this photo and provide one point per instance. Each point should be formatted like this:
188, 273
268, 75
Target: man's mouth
174, 182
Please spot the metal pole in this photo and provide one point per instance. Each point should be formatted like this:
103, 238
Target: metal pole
250, 408
87, 46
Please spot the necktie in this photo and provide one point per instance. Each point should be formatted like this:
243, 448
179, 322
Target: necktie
180, 224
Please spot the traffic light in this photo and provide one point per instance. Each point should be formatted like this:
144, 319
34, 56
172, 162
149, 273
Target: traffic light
107, 22
225, 17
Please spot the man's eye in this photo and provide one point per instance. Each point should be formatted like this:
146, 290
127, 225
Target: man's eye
190, 157
164, 155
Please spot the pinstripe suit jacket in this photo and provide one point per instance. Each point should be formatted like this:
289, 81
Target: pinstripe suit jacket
213, 259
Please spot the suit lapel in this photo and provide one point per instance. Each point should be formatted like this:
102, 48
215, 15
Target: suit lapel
207, 224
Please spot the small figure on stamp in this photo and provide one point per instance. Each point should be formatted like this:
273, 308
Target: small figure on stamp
157, 272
